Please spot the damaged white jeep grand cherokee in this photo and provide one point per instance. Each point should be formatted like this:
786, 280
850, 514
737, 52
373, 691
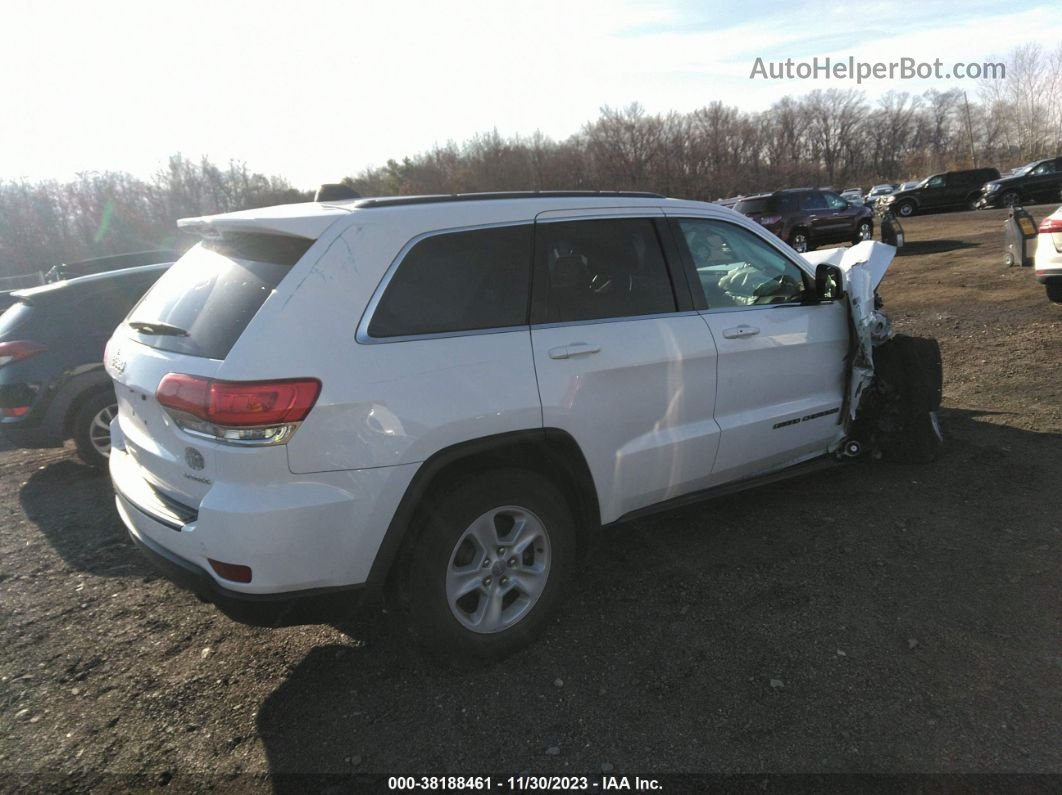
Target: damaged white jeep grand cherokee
447, 394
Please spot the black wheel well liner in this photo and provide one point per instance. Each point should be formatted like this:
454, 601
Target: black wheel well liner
548, 451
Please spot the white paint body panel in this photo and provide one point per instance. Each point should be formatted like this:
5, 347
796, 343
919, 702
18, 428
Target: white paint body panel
668, 406
790, 367
640, 408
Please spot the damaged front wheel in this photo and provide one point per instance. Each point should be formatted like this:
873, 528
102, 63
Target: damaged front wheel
902, 407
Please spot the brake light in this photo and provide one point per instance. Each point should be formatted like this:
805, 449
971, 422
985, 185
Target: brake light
1051, 226
18, 350
238, 411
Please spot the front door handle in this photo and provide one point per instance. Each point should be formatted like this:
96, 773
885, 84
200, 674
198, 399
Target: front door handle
573, 349
740, 331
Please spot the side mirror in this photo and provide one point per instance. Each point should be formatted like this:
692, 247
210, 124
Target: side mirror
829, 282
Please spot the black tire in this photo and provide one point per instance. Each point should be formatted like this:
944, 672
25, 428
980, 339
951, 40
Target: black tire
1010, 198
1054, 292
800, 241
93, 442
445, 539
906, 209
910, 379
864, 231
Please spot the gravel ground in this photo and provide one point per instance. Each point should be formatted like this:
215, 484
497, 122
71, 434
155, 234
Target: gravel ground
878, 619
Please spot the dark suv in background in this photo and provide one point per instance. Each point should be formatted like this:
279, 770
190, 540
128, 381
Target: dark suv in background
52, 383
807, 218
952, 190
1039, 181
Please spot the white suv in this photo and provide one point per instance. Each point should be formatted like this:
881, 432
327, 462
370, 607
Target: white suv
446, 394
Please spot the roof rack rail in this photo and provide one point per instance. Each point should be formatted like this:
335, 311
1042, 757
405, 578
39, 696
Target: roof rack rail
397, 201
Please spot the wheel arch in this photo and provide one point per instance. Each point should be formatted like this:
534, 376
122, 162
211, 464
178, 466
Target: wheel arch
80, 389
551, 452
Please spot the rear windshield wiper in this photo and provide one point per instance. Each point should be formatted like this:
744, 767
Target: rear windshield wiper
157, 327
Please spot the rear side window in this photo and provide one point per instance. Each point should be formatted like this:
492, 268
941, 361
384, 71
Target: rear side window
598, 269
203, 303
459, 281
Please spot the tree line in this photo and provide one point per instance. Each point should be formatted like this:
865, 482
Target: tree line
826, 137
46, 223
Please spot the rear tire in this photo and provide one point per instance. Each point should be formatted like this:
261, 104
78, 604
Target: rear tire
491, 564
92, 431
1054, 292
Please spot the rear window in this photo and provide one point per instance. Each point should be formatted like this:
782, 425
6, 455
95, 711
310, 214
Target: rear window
16, 316
203, 303
757, 205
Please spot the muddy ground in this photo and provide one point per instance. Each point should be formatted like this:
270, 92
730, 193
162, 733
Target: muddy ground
879, 619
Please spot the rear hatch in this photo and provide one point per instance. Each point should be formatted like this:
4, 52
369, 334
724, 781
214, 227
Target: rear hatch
187, 323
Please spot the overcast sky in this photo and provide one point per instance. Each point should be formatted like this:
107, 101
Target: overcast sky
315, 90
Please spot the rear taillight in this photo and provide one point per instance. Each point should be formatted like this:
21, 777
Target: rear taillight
1051, 226
248, 412
19, 350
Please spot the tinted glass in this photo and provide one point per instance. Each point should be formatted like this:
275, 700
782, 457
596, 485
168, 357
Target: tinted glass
461, 281
603, 268
834, 201
13, 318
747, 206
735, 268
214, 290
812, 200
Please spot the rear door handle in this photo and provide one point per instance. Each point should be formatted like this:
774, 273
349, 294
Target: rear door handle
574, 349
740, 331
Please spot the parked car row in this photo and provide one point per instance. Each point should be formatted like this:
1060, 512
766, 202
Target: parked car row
806, 218
963, 189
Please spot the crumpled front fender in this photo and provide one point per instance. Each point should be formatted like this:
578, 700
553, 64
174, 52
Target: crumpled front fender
864, 266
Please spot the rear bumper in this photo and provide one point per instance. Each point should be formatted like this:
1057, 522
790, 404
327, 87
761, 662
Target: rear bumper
316, 606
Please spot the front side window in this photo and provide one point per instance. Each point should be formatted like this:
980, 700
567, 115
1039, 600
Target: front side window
935, 182
812, 200
835, 202
459, 281
602, 268
735, 268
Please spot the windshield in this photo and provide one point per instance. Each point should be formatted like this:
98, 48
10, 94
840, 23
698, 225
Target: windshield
1021, 171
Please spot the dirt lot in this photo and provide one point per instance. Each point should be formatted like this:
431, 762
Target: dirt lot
880, 619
